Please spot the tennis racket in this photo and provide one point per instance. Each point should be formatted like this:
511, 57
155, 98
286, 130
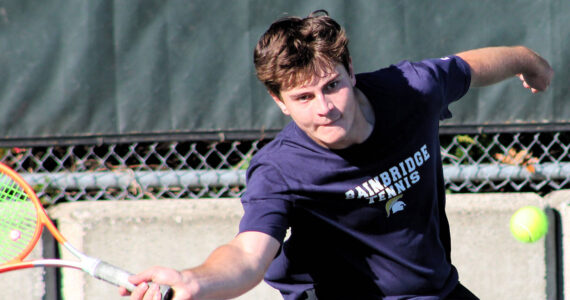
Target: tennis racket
22, 219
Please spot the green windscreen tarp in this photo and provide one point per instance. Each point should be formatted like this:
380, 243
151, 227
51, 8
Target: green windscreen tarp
93, 68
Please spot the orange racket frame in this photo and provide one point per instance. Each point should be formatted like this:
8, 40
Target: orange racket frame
93, 266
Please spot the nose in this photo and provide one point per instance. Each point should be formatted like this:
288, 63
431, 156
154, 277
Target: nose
323, 105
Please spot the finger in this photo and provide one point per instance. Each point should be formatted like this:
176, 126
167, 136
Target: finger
123, 291
152, 292
141, 277
526, 85
139, 292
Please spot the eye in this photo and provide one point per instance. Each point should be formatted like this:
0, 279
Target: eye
303, 98
333, 85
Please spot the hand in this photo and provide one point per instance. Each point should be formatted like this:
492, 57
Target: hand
148, 282
539, 79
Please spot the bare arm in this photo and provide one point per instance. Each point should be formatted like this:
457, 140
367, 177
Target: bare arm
228, 272
493, 64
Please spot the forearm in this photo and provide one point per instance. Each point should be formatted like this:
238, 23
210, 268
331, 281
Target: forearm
227, 273
493, 64
231, 269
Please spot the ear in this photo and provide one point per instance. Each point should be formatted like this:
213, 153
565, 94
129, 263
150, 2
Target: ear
280, 103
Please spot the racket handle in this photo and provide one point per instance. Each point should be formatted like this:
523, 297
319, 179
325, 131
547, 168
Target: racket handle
120, 277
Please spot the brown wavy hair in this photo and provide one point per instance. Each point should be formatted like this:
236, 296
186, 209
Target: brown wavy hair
294, 50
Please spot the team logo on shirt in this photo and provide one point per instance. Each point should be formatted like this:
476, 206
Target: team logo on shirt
394, 205
390, 185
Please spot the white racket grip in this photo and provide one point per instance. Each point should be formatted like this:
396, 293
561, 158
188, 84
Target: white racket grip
119, 277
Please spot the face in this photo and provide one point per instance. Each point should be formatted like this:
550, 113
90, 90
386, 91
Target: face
327, 109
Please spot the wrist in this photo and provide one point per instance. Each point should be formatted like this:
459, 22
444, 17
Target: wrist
532, 63
188, 288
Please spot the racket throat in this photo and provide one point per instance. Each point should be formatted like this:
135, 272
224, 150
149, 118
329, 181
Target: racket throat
88, 264
102, 270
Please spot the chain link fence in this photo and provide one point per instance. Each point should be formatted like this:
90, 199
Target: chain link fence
529, 161
499, 162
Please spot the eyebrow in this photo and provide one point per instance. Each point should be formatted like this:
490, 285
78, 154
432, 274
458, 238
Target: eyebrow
333, 78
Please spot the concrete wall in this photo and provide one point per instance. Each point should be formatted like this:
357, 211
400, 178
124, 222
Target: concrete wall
491, 263
137, 235
181, 233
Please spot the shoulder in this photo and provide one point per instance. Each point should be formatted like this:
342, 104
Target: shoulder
285, 141
444, 78
275, 168
416, 73
274, 158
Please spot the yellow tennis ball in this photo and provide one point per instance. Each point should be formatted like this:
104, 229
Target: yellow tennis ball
529, 224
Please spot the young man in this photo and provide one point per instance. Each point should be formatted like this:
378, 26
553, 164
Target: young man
356, 177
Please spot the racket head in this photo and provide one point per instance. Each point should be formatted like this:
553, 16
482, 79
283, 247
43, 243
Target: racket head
22, 217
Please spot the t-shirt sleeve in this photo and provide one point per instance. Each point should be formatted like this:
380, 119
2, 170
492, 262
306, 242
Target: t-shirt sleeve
445, 79
265, 202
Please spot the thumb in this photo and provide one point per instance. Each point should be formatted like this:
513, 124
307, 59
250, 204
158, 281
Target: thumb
160, 275
144, 276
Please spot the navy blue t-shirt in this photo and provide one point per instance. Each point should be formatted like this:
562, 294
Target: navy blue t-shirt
368, 221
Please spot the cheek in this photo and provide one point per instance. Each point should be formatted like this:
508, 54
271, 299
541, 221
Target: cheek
345, 101
302, 117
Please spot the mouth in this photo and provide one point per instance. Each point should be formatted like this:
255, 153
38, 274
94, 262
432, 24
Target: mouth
332, 122
329, 124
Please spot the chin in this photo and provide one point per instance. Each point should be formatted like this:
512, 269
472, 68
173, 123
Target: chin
331, 136
334, 143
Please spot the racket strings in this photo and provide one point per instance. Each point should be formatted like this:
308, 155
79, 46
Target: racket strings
18, 219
